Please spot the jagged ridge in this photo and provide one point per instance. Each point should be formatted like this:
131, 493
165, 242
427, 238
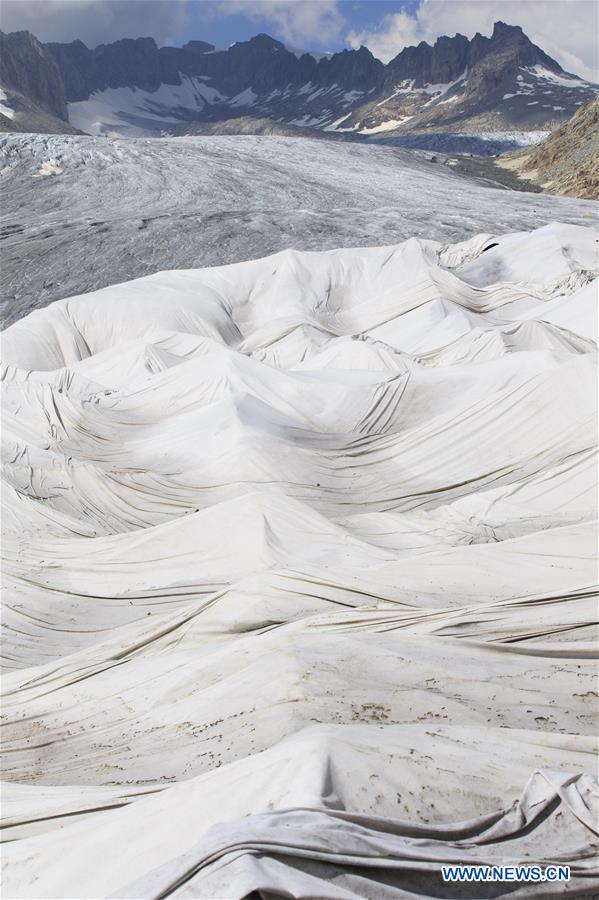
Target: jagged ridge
454, 81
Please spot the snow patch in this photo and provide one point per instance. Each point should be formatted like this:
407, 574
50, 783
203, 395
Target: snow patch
244, 98
571, 81
404, 87
439, 90
5, 110
352, 96
390, 125
335, 125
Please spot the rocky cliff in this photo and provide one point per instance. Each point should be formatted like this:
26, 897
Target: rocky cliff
29, 68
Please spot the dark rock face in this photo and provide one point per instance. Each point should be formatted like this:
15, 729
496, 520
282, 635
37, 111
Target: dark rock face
132, 63
508, 47
443, 62
351, 69
26, 66
74, 62
129, 62
262, 63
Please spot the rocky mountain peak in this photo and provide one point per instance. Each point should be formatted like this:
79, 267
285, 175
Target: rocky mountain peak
26, 66
501, 31
350, 69
510, 42
197, 47
265, 41
423, 64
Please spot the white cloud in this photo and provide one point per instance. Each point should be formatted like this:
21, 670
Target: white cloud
565, 29
102, 21
296, 21
96, 21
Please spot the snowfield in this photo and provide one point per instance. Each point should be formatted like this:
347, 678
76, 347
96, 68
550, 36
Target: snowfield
102, 212
300, 575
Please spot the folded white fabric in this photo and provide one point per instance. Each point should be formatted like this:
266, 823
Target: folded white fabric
300, 576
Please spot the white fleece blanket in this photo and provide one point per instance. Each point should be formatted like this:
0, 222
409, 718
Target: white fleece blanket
300, 576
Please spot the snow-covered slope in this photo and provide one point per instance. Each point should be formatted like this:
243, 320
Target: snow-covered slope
299, 574
80, 213
531, 97
131, 111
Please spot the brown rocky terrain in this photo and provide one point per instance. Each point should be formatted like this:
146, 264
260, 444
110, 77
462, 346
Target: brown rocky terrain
567, 162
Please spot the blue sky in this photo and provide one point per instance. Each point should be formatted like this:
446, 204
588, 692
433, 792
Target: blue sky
222, 27
566, 29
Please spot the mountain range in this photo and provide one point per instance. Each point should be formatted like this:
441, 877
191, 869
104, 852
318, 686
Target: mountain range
132, 87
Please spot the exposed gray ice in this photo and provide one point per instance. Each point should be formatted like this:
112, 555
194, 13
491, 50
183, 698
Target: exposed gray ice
80, 213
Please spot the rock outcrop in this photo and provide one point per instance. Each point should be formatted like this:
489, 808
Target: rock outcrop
29, 68
568, 161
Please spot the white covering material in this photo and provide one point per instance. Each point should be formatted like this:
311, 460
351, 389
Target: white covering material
300, 576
